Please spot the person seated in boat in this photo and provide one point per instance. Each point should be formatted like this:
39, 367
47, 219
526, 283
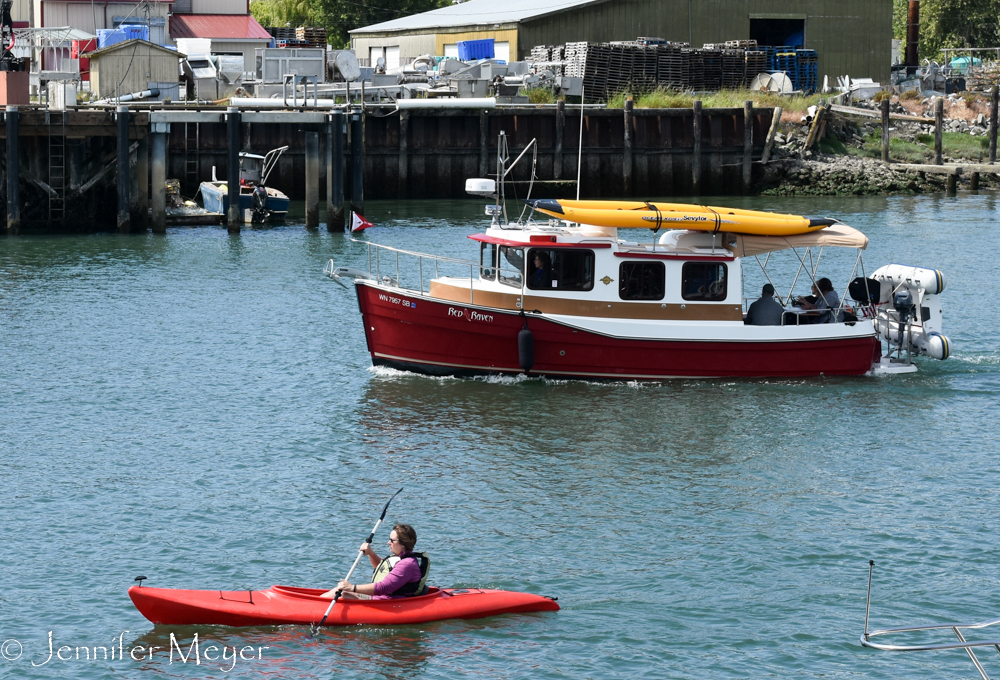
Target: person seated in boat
541, 276
823, 308
765, 311
402, 574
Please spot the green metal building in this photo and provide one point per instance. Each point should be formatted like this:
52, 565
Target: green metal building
851, 37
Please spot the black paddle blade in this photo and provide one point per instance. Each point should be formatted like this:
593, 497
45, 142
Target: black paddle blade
386, 508
549, 204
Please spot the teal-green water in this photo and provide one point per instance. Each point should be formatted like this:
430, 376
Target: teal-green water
200, 408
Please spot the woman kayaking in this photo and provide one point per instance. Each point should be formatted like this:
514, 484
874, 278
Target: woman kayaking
401, 574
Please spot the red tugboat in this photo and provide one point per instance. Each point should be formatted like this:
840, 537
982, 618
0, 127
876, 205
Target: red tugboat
574, 297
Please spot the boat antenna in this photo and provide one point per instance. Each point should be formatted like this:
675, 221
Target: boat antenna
868, 604
579, 152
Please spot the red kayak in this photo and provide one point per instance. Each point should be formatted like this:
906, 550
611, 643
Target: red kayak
287, 605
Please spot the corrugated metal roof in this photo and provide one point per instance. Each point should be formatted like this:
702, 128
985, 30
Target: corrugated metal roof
131, 44
217, 26
477, 13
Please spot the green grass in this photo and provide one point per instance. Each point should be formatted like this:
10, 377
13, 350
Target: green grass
540, 95
953, 145
899, 150
965, 147
724, 99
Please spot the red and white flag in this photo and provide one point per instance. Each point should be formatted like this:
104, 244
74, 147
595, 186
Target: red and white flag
359, 223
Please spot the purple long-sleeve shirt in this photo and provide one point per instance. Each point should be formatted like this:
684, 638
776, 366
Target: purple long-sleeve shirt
407, 570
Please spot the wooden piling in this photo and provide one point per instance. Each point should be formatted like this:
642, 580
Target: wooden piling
747, 145
124, 177
13, 174
974, 181
358, 162
938, 130
142, 174
484, 141
627, 149
335, 174
769, 144
951, 188
404, 161
159, 182
234, 219
557, 155
994, 100
885, 130
696, 150
312, 180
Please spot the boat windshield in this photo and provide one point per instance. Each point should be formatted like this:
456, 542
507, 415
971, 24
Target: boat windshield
511, 265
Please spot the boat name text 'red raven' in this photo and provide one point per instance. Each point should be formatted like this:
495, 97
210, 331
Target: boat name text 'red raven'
397, 301
470, 315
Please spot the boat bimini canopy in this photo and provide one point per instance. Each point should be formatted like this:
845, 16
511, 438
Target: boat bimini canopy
836, 235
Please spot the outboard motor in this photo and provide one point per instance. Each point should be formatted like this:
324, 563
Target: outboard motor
909, 310
902, 302
259, 211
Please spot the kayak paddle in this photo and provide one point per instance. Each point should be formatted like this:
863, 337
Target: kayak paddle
371, 537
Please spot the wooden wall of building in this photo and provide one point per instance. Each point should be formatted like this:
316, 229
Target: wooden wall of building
131, 68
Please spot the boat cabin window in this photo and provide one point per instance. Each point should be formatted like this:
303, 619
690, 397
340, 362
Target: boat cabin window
511, 265
642, 280
703, 281
488, 261
560, 269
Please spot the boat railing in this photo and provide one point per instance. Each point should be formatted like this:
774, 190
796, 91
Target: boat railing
384, 267
956, 628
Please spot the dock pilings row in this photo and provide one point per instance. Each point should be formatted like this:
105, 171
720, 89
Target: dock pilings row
951, 171
139, 161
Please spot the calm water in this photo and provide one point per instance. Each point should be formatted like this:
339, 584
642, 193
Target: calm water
200, 408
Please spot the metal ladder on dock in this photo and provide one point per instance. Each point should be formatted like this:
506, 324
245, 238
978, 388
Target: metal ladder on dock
57, 165
192, 149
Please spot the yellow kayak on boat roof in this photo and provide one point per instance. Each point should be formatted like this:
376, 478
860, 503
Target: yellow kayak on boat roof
657, 215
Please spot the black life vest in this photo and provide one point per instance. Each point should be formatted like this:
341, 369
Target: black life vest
411, 589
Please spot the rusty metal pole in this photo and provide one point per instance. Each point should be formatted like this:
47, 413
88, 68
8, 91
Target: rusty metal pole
234, 219
335, 174
404, 160
159, 172
747, 144
124, 177
627, 149
13, 173
994, 99
938, 130
885, 130
696, 150
358, 162
312, 179
913, 34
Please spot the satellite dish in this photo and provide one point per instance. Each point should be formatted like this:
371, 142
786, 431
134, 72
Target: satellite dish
772, 82
348, 66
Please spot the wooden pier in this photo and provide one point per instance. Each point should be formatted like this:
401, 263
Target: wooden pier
90, 168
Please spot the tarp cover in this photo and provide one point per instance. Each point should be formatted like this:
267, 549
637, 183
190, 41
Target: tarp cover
837, 236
